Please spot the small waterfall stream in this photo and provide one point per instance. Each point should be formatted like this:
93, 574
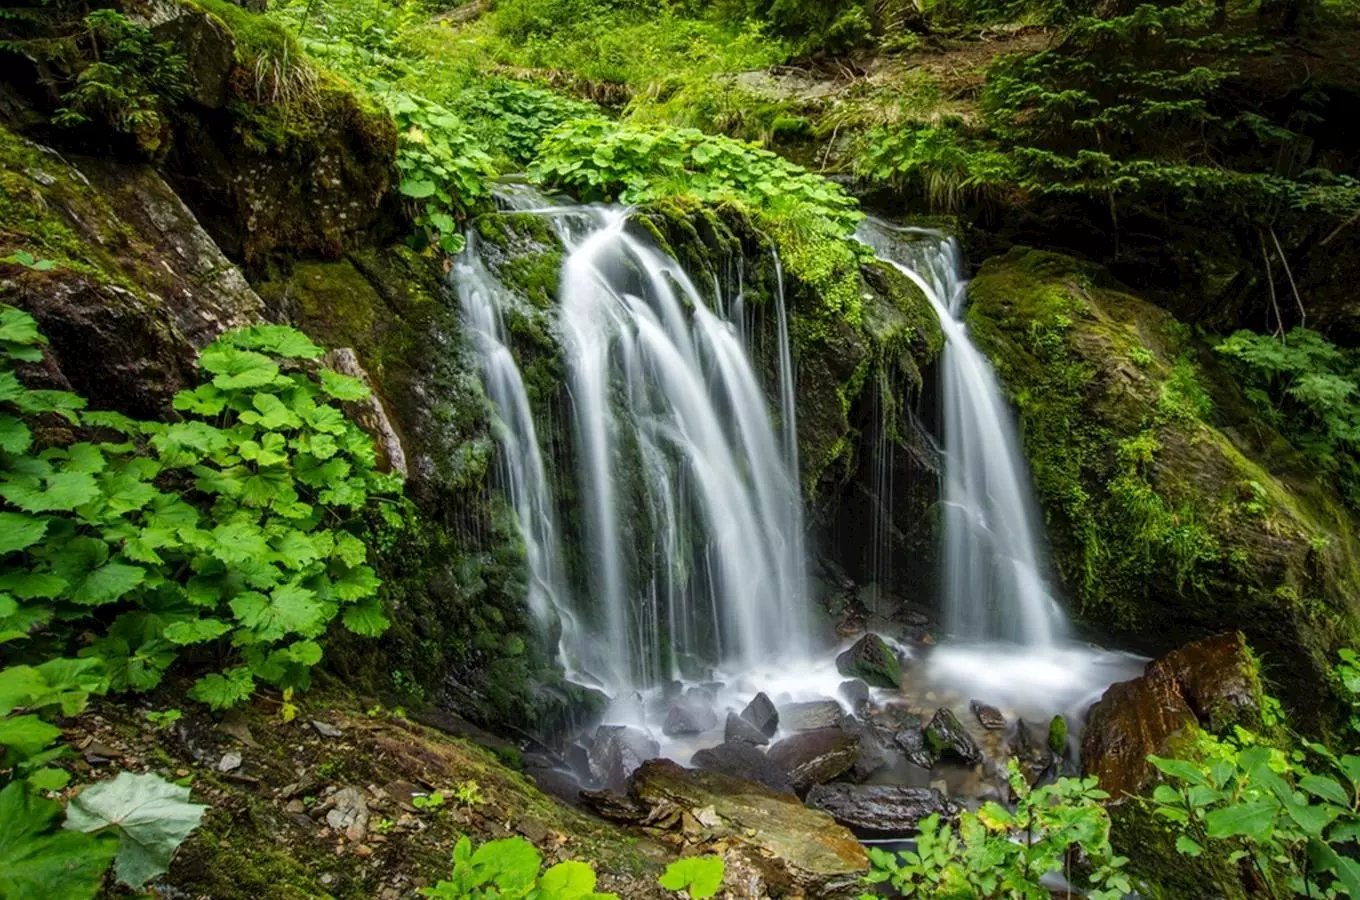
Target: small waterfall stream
692, 527
993, 568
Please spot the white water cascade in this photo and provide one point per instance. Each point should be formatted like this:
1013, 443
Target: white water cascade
993, 568
691, 529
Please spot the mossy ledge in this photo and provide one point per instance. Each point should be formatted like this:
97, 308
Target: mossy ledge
1170, 508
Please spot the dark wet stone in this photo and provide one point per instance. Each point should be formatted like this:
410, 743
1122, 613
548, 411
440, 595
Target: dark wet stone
990, 717
873, 748
745, 761
761, 713
815, 757
692, 715
912, 743
1029, 748
856, 693
872, 660
740, 730
810, 715
557, 783
946, 737
617, 752
880, 811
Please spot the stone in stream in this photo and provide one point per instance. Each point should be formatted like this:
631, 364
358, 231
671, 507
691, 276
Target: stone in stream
872, 660
873, 747
617, 752
946, 737
692, 715
810, 715
880, 811
815, 757
800, 852
990, 717
742, 760
761, 713
739, 730
1029, 748
856, 693
912, 743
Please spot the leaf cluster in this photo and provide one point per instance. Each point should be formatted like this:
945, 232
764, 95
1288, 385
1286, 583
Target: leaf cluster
998, 852
604, 160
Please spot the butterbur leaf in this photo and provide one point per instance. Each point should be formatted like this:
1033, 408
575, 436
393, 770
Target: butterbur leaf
510, 864
223, 691
24, 736
343, 387
107, 583
276, 340
358, 583
417, 189
196, 631
235, 369
205, 400
701, 876
19, 532
151, 816
270, 413
17, 326
568, 881
305, 653
58, 492
14, 435
38, 860
366, 619
49, 779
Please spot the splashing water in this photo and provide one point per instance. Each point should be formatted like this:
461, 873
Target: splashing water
993, 569
692, 521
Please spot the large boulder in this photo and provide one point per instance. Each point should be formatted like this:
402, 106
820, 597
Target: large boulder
873, 661
617, 752
815, 757
810, 715
691, 715
739, 730
798, 851
1173, 510
742, 760
878, 810
762, 714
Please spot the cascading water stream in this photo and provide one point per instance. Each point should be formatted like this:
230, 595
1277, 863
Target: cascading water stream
993, 568
692, 524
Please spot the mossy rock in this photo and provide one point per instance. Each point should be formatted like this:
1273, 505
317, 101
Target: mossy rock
1173, 512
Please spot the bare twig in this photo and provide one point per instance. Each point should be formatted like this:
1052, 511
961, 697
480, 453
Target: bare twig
1270, 279
1303, 313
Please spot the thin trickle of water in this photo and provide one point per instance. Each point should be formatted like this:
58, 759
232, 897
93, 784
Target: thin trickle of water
993, 570
692, 521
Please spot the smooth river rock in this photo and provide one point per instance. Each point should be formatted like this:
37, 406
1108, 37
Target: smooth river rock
814, 757
880, 811
810, 715
990, 717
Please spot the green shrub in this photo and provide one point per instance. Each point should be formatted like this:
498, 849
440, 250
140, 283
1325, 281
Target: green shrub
997, 852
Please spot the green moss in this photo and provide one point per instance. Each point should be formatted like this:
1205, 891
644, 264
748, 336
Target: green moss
1163, 529
1057, 735
257, 37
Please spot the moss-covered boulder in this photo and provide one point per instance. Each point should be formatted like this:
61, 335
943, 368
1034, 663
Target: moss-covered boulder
1172, 511
872, 660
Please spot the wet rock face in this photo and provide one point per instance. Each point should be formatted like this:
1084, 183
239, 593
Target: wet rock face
873, 661
739, 730
815, 757
946, 737
741, 760
1218, 679
761, 713
1211, 683
617, 752
810, 715
796, 851
691, 715
880, 811
856, 693
912, 743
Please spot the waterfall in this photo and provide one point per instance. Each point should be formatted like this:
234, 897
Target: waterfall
691, 536
993, 568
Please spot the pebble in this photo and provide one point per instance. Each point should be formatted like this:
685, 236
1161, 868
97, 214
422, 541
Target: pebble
230, 762
363, 850
326, 730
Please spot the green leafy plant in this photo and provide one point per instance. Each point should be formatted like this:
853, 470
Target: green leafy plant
998, 852
603, 160
151, 817
1268, 811
1346, 674
163, 719
431, 801
28, 261
509, 870
700, 876
129, 83
469, 794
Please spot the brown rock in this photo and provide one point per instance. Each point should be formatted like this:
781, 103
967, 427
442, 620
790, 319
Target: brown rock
1218, 679
815, 757
1133, 719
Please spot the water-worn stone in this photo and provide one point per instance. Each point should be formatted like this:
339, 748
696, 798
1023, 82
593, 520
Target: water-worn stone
856, 693
348, 813
1218, 678
743, 760
1029, 748
691, 715
946, 737
740, 730
617, 752
803, 851
761, 713
872, 660
880, 811
815, 757
912, 743
990, 717
873, 747
810, 715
